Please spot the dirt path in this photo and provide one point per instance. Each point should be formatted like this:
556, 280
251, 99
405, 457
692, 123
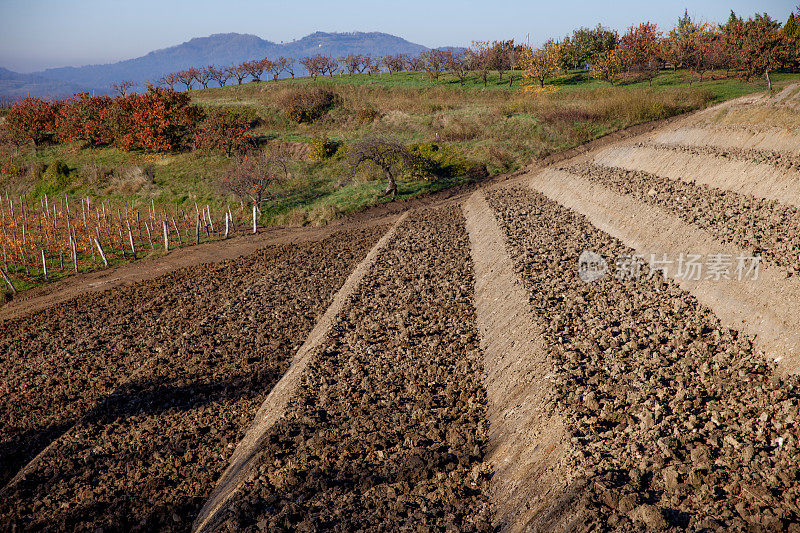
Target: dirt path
767, 307
773, 139
527, 437
241, 462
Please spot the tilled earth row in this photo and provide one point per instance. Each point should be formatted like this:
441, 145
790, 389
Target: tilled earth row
764, 227
675, 421
780, 160
387, 430
154, 385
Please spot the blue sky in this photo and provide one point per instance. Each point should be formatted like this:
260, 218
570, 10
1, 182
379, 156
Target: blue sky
35, 34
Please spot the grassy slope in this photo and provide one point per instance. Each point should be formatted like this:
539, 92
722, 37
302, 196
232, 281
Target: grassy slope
501, 126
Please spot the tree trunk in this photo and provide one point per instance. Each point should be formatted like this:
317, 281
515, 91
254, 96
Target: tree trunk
769, 82
392, 187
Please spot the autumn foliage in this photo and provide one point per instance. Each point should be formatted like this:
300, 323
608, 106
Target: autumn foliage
158, 120
31, 120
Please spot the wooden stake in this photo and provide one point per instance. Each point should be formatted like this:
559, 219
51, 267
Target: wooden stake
174, 225
226, 225
8, 282
74, 248
166, 236
130, 238
44, 266
149, 236
100, 249
254, 219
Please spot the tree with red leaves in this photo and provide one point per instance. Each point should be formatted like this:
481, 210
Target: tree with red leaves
252, 175
640, 50
315, 65
255, 68
757, 46
278, 67
161, 120
203, 75
238, 72
352, 63
31, 120
85, 118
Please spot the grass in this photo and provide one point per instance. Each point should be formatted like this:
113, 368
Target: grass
499, 126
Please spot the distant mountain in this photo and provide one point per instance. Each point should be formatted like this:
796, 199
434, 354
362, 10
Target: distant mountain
15, 85
219, 49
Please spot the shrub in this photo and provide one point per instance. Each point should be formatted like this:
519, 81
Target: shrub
323, 148
444, 162
305, 105
54, 181
223, 131
367, 114
85, 118
244, 114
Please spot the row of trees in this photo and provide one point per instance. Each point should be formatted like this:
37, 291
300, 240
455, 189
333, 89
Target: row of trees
754, 47
158, 120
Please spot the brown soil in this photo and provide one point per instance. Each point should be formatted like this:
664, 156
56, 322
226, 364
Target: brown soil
145, 391
388, 430
676, 421
768, 228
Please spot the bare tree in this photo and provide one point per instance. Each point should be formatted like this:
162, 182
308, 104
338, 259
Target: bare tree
352, 63
168, 80
459, 64
434, 62
278, 67
220, 75
203, 75
253, 175
288, 66
396, 62
387, 155
122, 88
186, 77
238, 72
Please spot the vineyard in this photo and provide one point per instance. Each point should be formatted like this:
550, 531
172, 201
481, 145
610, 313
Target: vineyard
47, 238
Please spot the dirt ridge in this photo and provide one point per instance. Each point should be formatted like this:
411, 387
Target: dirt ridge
527, 439
766, 307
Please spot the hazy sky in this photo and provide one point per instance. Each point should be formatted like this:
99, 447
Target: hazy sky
36, 34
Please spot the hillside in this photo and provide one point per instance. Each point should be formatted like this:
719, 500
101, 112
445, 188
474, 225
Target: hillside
217, 49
